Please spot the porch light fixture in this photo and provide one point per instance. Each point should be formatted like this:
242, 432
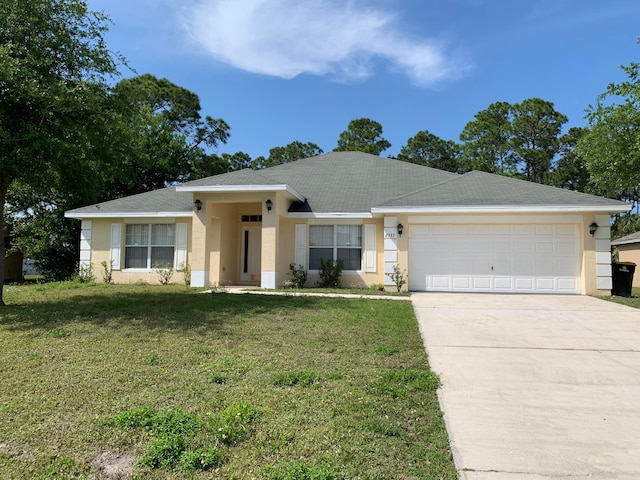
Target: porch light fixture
592, 228
198, 204
269, 205
400, 229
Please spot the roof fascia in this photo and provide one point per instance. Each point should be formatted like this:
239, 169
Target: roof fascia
242, 188
127, 214
505, 209
625, 242
330, 215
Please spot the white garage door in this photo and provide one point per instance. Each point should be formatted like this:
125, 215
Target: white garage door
536, 258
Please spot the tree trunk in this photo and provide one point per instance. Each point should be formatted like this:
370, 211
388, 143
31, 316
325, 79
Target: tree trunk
3, 260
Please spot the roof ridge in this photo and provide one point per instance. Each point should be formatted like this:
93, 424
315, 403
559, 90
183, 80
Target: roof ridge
458, 176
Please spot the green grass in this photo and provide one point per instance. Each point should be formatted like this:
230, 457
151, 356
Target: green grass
389, 292
633, 301
264, 387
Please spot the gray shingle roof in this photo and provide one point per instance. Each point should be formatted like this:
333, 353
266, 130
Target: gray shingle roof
355, 182
157, 201
486, 189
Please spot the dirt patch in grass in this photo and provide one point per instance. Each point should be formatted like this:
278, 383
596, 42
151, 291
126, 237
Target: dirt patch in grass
13, 451
113, 466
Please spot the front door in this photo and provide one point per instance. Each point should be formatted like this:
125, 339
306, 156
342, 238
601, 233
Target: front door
251, 248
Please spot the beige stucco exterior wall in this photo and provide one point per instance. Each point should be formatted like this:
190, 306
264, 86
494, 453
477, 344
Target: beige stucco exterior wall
101, 251
359, 279
215, 236
631, 253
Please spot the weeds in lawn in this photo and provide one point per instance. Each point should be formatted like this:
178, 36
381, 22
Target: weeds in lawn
199, 459
233, 423
289, 379
299, 471
173, 430
153, 358
59, 332
217, 378
342, 386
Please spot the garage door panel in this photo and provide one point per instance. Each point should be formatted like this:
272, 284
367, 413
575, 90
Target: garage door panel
545, 284
482, 246
441, 282
544, 246
502, 266
461, 283
568, 285
503, 283
543, 258
481, 283
480, 266
523, 267
545, 229
524, 284
567, 247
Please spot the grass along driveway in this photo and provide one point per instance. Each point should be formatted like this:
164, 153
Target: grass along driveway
321, 388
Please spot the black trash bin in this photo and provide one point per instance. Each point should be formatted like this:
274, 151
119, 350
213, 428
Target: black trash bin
622, 278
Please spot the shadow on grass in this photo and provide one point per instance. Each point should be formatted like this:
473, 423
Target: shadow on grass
151, 307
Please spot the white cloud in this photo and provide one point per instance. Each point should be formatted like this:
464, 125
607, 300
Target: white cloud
337, 38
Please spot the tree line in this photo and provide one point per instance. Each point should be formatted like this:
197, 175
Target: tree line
74, 133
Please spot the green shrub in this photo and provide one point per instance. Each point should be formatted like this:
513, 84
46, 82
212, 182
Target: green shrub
107, 271
84, 274
164, 272
398, 277
330, 273
299, 275
186, 272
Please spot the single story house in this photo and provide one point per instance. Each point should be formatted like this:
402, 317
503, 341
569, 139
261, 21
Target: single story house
629, 251
476, 232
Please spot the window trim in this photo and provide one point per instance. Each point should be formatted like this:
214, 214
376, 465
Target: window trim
149, 246
335, 247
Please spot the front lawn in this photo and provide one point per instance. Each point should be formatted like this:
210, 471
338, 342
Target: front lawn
96, 378
633, 301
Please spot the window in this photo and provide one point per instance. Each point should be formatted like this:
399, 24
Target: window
147, 246
335, 242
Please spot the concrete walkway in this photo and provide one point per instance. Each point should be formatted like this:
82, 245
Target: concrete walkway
536, 387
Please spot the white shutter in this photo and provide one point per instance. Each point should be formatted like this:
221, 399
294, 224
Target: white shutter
370, 248
116, 245
181, 245
301, 245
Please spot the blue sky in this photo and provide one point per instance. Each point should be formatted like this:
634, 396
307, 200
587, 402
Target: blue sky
285, 70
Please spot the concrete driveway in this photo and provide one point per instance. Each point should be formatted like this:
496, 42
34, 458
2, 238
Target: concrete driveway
536, 387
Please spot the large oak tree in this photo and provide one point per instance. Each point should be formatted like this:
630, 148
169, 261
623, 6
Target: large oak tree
54, 69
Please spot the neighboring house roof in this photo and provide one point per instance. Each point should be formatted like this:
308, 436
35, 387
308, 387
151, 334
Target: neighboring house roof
353, 183
633, 238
